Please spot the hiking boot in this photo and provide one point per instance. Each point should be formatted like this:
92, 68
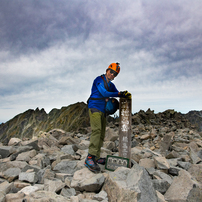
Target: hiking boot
91, 164
101, 161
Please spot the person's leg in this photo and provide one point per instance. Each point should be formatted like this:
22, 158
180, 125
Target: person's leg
96, 127
103, 129
95, 122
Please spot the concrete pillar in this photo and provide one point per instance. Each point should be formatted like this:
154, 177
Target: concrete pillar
125, 128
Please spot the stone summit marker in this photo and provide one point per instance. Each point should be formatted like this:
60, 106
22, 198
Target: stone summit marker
124, 158
125, 129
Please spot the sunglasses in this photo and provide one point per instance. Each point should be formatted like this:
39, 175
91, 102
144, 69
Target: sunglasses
113, 72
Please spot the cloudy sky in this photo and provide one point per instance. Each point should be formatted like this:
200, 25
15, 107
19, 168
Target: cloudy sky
51, 51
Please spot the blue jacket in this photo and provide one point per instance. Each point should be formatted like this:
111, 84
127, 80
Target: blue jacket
99, 91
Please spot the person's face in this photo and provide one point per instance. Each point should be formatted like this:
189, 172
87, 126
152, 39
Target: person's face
111, 74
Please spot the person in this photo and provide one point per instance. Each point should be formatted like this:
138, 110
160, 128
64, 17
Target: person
102, 89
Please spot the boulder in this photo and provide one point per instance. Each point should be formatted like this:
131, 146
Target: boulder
67, 149
26, 156
184, 188
125, 184
66, 166
42, 195
85, 180
28, 177
54, 185
17, 197
14, 141
196, 171
6, 187
11, 174
5, 151
147, 163
28, 190
161, 163
160, 185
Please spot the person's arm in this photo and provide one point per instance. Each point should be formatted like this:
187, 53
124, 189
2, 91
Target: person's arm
106, 93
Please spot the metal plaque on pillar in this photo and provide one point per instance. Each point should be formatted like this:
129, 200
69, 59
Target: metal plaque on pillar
125, 128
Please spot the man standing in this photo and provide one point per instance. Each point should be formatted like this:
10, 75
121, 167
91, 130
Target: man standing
102, 89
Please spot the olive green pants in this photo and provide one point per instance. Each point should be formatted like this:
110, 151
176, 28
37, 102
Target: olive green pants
98, 127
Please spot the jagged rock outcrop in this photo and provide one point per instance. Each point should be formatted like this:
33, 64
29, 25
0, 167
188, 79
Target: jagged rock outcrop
195, 118
30, 123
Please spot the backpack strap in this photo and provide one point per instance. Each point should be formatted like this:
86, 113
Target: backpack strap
105, 85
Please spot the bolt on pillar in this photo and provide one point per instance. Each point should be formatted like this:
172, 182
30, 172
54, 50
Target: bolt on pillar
125, 128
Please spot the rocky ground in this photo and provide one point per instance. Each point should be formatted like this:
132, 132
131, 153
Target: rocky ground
166, 165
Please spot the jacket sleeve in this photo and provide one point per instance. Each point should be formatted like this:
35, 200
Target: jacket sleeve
106, 93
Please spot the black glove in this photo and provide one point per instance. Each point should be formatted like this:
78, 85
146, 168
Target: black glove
125, 94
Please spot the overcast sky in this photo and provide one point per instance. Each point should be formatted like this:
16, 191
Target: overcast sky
52, 50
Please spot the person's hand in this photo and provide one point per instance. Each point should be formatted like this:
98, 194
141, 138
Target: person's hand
125, 94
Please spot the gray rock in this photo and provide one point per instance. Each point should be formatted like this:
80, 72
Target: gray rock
66, 192
18, 197
2, 196
31, 143
124, 184
67, 149
160, 197
58, 133
46, 196
5, 151
26, 156
66, 166
111, 135
136, 154
166, 142
183, 188
194, 157
174, 171
85, 180
54, 185
163, 176
196, 171
101, 196
147, 163
173, 161
43, 161
45, 173
109, 145
161, 185
11, 174
18, 150
31, 167
16, 164
28, 177
6, 187
161, 163
14, 141
172, 154
199, 154
48, 141
184, 165
28, 190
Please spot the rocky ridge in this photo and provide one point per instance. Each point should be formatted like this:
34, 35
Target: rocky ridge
74, 118
33, 122
166, 154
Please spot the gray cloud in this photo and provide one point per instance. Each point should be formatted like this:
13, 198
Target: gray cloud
52, 50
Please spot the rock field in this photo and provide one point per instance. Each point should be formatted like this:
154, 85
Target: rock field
166, 166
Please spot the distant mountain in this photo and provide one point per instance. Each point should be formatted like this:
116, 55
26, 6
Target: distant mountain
195, 117
31, 122
75, 118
